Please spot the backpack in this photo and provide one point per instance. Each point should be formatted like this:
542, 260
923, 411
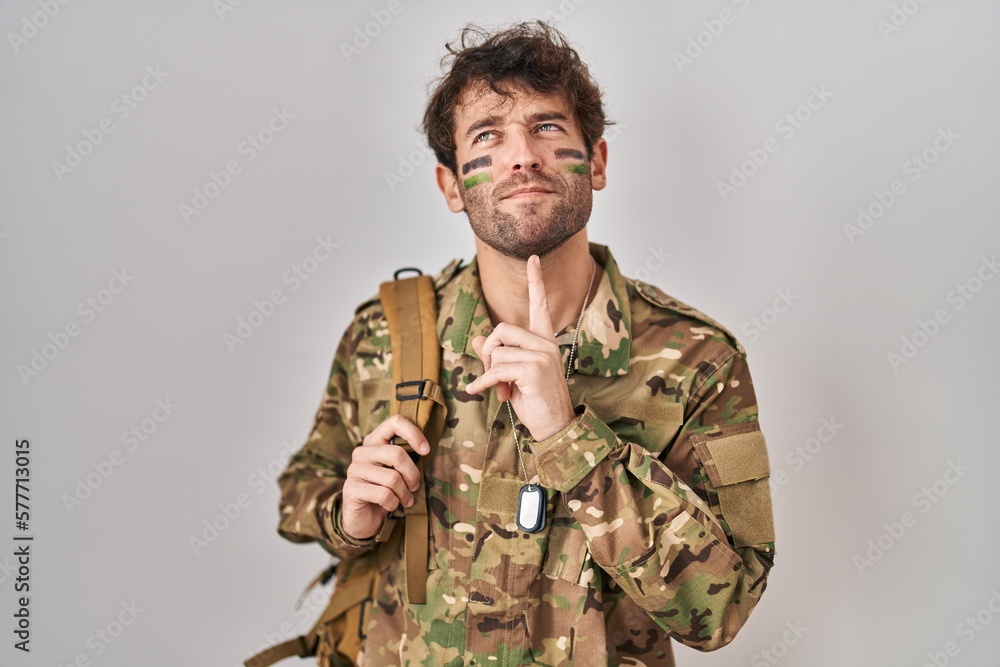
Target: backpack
410, 307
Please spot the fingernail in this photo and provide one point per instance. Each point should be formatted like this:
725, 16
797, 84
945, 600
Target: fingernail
409, 503
425, 447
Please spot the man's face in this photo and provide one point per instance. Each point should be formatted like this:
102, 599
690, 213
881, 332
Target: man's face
523, 175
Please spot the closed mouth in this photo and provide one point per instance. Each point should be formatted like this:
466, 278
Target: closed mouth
528, 192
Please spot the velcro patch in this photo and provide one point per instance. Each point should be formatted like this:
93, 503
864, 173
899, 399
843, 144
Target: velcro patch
737, 465
498, 495
733, 457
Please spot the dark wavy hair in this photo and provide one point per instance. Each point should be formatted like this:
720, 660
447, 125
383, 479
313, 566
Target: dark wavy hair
533, 56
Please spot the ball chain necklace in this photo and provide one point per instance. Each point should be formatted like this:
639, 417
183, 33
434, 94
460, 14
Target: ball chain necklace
531, 499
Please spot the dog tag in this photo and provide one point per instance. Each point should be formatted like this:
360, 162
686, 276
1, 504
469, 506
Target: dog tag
531, 508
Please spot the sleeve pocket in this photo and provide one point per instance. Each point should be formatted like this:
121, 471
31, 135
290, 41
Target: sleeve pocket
736, 463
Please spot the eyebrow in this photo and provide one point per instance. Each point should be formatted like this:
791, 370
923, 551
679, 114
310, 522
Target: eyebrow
540, 117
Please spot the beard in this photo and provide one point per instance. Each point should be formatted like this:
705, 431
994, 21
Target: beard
533, 227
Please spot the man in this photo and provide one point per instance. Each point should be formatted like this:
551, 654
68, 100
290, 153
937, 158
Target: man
657, 514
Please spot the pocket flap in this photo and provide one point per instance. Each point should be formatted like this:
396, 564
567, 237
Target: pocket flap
650, 424
733, 457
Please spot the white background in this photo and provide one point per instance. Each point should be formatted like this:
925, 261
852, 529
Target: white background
681, 129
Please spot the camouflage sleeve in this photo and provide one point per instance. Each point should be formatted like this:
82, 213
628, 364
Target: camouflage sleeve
311, 484
692, 548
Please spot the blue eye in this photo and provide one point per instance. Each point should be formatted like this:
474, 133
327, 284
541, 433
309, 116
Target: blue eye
552, 125
479, 137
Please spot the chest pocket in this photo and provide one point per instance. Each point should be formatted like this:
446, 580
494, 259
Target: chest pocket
647, 423
567, 556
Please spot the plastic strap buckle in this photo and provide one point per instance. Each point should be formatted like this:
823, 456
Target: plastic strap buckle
361, 619
421, 384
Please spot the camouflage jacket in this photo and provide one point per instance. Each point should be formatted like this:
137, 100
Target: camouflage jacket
659, 511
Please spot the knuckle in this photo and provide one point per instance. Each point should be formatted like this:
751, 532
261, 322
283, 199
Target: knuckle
371, 474
401, 457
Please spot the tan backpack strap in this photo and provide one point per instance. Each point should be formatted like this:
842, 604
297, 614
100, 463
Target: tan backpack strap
410, 307
355, 582
293, 647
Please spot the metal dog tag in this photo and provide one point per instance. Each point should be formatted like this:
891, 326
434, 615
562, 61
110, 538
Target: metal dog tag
531, 508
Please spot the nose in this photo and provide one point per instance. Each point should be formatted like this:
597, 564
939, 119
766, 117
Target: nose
526, 155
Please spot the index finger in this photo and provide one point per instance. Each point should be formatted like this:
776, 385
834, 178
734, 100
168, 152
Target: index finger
384, 457
539, 321
401, 426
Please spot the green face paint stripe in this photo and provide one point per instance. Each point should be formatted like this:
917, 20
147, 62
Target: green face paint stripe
484, 161
473, 181
578, 168
569, 152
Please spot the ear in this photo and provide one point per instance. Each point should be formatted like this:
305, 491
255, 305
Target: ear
448, 184
599, 164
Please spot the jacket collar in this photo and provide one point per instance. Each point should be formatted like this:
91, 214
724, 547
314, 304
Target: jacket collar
605, 342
